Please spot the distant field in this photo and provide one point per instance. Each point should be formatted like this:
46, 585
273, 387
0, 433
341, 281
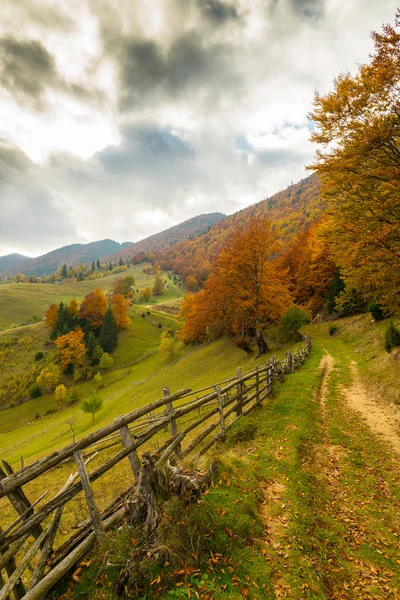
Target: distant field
20, 301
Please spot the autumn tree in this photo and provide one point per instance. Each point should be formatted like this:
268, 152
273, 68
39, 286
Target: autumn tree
71, 349
49, 377
51, 315
146, 293
61, 395
246, 290
120, 308
123, 285
158, 287
93, 308
358, 163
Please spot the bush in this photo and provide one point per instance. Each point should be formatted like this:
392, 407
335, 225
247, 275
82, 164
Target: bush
376, 311
332, 330
143, 315
392, 337
290, 324
159, 326
73, 397
35, 392
243, 431
39, 355
148, 312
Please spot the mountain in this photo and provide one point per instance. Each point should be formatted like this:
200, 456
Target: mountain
187, 230
70, 255
107, 250
11, 260
291, 210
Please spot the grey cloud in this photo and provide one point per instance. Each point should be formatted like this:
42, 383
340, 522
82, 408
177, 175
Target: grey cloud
141, 147
218, 12
311, 9
26, 67
188, 63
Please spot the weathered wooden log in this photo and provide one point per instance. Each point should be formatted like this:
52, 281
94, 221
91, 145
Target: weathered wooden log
67, 494
46, 549
221, 410
23, 563
16, 480
239, 391
133, 456
49, 580
172, 421
90, 500
21, 517
8, 561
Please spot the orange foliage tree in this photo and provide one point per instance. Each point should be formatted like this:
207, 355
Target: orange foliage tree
311, 267
51, 315
358, 163
70, 348
246, 290
120, 311
93, 308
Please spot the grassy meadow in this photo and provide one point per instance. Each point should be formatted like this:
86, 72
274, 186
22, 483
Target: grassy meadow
20, 301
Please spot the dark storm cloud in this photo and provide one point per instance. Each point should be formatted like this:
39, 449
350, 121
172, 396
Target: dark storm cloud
218, 12
143, 146
26, 67
188, 64
311, 9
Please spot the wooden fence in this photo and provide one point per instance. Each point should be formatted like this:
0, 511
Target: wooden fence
181, 423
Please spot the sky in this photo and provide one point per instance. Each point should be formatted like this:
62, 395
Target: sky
121, 118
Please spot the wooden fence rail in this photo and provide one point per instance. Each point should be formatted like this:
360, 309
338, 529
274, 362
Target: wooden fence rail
212, 414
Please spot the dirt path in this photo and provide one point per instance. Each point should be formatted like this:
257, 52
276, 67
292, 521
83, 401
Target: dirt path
383, 419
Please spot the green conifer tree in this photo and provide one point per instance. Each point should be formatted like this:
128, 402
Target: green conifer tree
98, 264
64, 272
108, 332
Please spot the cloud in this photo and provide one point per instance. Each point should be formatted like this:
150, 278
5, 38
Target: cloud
218, 12
26, 67
153, 112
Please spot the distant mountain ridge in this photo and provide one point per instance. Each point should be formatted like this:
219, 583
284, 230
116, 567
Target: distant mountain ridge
70, 255
106, 250
11, 260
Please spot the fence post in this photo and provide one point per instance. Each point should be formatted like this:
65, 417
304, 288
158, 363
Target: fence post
239, 392
19, 590
87, 488
172, 422
133, 456
221, 410
257, 385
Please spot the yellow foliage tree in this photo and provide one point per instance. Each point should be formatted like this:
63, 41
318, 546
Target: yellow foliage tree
120, 311
49, 377
70, 348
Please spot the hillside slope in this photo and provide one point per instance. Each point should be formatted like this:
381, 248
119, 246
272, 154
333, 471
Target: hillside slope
291, 210
159, 241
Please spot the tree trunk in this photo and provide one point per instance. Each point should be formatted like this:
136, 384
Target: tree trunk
261, 343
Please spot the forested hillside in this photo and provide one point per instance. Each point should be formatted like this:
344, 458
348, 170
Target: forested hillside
291, 211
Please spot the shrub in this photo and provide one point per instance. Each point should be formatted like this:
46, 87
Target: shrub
376, 311
392, 337
143, 315
243, 431
148, 312
159, 326
35, 391
39, 355
61, 395
106, 361
290, 324
98, 380
73, 396
332, 330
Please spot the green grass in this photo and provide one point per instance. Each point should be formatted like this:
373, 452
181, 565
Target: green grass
20, 301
